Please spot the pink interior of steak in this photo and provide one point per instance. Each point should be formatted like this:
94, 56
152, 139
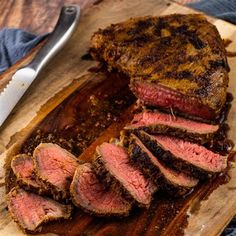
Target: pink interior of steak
174, 177
55, 164
158, 95
30, 209
117, 162
93, 195
193, 153
23, 167
147, 118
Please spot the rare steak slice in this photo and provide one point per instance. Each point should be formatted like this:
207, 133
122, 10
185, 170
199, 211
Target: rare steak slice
30, 210
172, 181
89, 193
185, 156
23, 168
175, 61
155, 122
114, 166
55, 167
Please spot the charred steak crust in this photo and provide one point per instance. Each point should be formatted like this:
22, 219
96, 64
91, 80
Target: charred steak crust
94, 186
120, 185
29, 182
24, 213
55, 191
170, 160
181, 57
109, 180
141, 159
176, 132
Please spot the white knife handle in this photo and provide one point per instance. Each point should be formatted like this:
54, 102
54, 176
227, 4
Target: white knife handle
67, 21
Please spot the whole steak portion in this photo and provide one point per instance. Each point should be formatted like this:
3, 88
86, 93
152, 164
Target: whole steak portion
175, 62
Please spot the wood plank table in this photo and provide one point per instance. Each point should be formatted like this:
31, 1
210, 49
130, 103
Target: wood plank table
215, 211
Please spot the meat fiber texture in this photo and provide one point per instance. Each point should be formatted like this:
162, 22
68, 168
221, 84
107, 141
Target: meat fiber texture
30, 210
55, 167
175, 62
185, 156
23, 168
90, 194
156, 122
174, 182
113, 165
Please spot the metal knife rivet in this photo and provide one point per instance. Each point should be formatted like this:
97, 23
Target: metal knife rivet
70, 10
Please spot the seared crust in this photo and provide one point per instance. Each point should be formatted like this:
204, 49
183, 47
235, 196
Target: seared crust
170, 160
90, 211
143, 161
57, 193
38, 187
16, 190
176, 132
184, 53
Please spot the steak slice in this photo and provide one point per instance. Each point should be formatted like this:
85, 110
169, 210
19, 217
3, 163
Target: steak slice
175, 62
23, 168
30, 210
162, 123
174, 182
113, 165
190, 158
90, 194
55, 167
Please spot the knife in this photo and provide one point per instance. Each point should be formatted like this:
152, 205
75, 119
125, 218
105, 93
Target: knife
23, 78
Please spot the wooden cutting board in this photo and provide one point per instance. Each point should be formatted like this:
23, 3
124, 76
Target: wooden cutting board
204, 212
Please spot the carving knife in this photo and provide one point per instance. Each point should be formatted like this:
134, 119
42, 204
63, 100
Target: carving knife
24, 77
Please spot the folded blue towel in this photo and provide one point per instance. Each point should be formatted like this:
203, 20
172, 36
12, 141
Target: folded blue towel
14, 44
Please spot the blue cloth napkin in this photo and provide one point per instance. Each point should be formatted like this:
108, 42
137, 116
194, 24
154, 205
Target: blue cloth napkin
223, 9
14, 44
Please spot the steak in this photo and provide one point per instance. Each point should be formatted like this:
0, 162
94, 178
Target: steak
175, 62
55, 167
191, 158
90, 194
174, 182
113, 166
30, 210
23, 168
162, 123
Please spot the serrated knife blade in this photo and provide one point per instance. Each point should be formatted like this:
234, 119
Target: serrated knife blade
24, 77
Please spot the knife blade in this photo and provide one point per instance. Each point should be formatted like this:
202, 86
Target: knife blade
24, 77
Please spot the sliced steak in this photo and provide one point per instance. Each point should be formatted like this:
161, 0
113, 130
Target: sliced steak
175, 62
90, 194
30, 210
55, 167
162, 123
181, 155
23, 168
113, 165
174, 182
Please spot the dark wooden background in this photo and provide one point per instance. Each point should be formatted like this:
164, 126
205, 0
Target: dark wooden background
39, 16
36, 16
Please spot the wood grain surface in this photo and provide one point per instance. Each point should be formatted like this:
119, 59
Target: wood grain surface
210, 217
36, 16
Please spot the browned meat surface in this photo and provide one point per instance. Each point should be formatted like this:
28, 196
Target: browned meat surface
191, 158
90, 194
23, 168
113, 165
30, 210
175, 62
162, 123
174, 182
55, 167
